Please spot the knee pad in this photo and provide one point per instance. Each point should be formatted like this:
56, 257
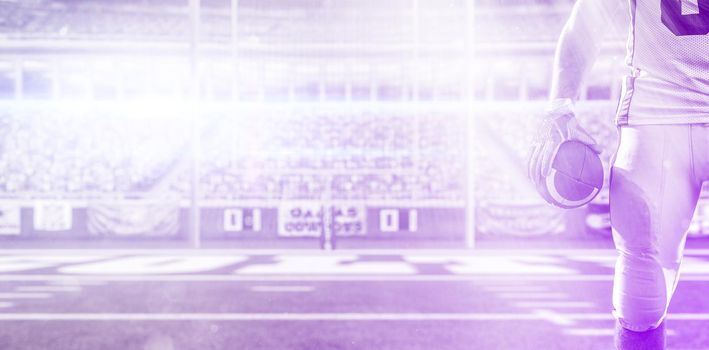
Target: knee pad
640, 294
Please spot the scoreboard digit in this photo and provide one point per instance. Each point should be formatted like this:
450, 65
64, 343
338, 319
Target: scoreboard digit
239, 220
398, 220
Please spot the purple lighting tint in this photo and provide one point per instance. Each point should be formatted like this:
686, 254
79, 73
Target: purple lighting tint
352, 174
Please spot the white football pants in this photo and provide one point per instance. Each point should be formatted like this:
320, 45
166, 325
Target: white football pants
654, 186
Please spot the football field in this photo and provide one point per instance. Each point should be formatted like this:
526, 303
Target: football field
374, 299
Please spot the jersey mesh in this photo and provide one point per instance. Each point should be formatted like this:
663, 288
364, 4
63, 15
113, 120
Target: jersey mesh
668, 50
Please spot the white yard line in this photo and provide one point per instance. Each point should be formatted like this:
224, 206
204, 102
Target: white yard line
323, 317
282, 289
554, 304
72, 282
513, 279
24, 295
533, 295
48, 288
600, 332
502, 282
516, 288
555, 317
107, 253
257, 251
590, 332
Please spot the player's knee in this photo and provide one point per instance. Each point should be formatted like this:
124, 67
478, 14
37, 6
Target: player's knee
641, 319
639, 291
642, 323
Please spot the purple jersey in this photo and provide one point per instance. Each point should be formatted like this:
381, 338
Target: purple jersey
668, 50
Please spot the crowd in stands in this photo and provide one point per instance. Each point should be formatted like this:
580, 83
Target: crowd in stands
338, 156
373, 156
45, 152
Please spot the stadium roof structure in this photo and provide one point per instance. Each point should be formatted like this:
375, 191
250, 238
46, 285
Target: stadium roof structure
276, 22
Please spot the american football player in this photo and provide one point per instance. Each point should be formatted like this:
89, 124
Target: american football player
663, 154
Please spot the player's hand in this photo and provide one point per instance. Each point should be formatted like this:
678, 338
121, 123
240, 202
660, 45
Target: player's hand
559, 125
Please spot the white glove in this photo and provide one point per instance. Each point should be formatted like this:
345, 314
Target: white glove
559, 125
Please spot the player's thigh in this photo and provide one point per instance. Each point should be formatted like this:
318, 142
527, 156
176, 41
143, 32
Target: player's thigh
653, 190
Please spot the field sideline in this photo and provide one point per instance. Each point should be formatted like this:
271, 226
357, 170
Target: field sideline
368, 299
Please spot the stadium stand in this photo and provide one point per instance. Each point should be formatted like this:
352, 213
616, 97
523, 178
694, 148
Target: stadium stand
269, 157
372, 155
51, 153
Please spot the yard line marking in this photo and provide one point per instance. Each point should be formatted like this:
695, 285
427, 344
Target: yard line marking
74, 282
555, 318
18, 263
600, 332
319, 317
554, 304
327, 265
501, 282
106, 253
154, 264
533, 295
317, 251
590, 332
283, 289
512, 279
515, 288
257, 251
24, 295
495, 265
48, 288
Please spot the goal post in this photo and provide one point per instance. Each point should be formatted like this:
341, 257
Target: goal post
470, 203
195, 91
